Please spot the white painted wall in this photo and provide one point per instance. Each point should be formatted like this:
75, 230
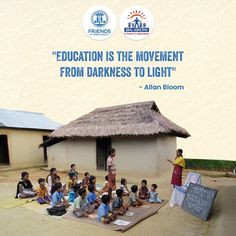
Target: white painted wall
81, 152
166, 149
23, 146
135, 155
143, 156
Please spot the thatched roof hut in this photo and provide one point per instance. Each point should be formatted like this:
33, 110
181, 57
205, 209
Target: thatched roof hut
143, 118
137, 131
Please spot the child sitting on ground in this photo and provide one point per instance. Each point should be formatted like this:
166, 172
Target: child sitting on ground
58, 180
50, 179
74, 171
123, 186
152, 195
143, 191
24, 187
92, 197
134, 200
118, 207
85, 181
73, 194
58, 196
81, 205
42, 192
104, 212
106, 187
92, 180
72, 181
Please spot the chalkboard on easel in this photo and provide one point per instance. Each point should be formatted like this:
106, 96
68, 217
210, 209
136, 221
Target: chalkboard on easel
199, 200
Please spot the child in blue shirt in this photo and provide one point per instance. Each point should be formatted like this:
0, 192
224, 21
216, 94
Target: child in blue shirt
152, 195
58, 196
92, 197
73, 194
104, 212
118, 206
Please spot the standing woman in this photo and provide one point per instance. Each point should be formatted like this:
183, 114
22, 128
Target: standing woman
111, 167
179, 164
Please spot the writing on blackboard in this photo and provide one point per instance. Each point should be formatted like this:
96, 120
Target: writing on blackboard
199, 200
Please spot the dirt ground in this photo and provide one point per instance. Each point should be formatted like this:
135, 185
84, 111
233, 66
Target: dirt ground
168, 221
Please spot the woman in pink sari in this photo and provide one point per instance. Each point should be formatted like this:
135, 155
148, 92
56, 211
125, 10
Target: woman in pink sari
179, 164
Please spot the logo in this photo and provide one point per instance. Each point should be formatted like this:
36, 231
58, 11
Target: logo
136, 22
99, 18
99, 23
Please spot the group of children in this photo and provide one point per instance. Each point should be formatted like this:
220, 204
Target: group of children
84, 196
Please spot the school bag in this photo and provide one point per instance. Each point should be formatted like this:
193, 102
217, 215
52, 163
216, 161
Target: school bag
57, 210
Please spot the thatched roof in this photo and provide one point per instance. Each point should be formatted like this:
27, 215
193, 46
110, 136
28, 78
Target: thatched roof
143, 118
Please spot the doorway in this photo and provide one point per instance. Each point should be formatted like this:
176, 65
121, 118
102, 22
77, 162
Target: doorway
103, 145
4, 153
45, 154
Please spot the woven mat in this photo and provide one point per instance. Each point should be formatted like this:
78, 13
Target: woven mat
139, 214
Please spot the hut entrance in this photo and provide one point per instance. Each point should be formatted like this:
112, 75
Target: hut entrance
4, 154
45, 154
103, 145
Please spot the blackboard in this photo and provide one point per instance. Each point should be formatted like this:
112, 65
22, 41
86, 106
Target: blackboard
199, 200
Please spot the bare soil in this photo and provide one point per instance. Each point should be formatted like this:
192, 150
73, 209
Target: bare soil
168, 221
